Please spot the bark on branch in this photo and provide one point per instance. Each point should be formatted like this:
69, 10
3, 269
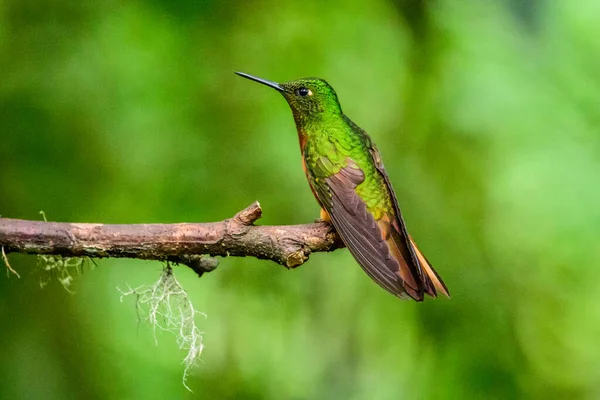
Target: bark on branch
184, 243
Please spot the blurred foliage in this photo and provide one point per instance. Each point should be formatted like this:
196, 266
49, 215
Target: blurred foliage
487, 116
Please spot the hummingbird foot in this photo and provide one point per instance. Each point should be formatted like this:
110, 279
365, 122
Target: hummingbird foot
323, 217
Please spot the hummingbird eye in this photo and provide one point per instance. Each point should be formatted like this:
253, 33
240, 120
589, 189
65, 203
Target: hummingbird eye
303, 92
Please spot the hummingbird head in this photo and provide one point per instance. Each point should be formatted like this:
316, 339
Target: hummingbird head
310, 99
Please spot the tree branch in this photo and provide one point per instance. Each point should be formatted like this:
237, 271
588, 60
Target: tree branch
184, 243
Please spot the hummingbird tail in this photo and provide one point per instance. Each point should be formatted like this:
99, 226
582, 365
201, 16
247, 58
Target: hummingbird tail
432, 280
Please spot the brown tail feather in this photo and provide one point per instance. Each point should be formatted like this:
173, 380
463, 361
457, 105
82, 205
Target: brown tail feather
408, 274
409, 281
430, 273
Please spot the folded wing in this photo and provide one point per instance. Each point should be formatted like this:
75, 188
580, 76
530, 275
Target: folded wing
369, 244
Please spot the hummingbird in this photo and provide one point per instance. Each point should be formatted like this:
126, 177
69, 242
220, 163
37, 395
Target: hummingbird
348, 179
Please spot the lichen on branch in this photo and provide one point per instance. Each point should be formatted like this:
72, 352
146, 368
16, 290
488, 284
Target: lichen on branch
62, 248
167, 307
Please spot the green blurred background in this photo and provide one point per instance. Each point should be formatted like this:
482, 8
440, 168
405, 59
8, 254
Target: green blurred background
487, 116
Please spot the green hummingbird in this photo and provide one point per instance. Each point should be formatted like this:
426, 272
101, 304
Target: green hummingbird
347, 177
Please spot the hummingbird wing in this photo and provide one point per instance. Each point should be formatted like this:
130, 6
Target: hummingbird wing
357, 227
364, 236
382, 247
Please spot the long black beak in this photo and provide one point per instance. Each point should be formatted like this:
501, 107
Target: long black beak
272, 84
